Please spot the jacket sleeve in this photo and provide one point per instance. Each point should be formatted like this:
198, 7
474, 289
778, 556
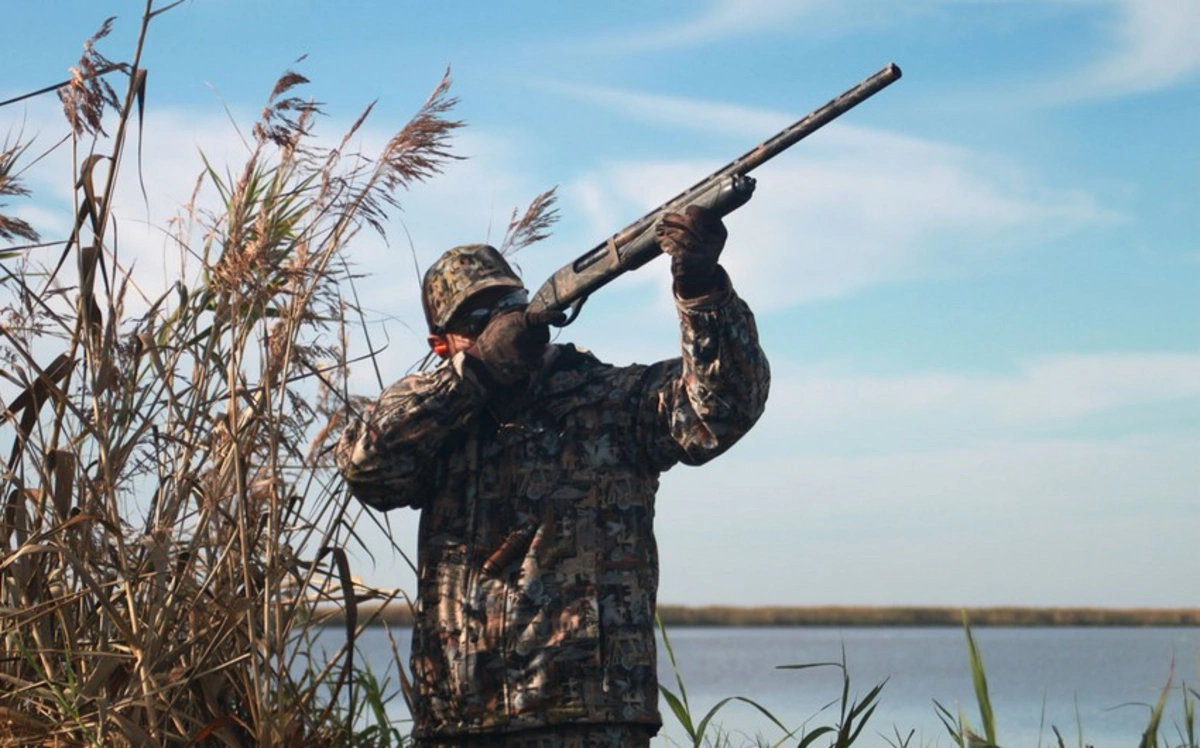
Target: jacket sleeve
387, 453
697, 406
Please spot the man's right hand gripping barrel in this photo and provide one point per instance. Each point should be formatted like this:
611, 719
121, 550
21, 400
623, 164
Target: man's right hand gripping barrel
510, 348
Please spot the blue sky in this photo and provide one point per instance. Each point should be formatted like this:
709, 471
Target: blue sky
978, 290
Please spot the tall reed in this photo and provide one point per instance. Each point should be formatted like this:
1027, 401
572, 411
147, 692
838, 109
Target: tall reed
170, 514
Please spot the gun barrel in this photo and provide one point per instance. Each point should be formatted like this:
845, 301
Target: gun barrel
794, 133
817, 119
723, 191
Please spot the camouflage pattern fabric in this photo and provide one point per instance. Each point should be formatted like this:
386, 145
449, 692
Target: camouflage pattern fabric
459, 274
538, 568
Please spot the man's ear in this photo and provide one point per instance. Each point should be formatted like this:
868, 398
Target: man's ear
440, 346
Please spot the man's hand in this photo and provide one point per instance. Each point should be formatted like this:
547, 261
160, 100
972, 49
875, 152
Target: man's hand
694, 239
511, 346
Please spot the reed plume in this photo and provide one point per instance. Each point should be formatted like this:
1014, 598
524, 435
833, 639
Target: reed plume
12, 228
171, 520
531, 226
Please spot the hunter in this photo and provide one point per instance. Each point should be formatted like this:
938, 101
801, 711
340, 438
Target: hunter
535, 468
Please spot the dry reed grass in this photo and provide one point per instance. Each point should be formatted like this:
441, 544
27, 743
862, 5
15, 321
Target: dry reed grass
170, 515
531, 226
12, 228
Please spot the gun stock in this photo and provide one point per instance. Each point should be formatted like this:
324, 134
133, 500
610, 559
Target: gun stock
723, 191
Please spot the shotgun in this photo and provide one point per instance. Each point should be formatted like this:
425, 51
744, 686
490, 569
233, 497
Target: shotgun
723, 191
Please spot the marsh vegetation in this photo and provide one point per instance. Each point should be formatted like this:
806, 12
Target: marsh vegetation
170, 516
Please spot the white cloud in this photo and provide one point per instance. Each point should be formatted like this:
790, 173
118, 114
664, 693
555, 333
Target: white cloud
1154, 46
1144, 46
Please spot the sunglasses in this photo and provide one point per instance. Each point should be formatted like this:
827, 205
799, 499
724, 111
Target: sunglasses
472, 322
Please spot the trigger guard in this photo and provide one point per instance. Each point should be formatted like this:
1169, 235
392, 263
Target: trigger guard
575, 308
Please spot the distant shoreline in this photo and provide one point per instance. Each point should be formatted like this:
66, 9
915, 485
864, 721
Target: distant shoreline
398, 614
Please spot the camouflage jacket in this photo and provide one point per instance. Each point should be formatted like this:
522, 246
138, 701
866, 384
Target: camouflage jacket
538, 568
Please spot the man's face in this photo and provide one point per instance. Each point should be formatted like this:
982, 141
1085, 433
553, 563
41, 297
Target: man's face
472, 317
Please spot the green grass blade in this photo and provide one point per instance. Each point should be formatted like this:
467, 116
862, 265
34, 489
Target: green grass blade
853, 731
703, 726
870, 700
808, 665
1189, 718
808, 739
671, 656
761, 709
902, 741
680, 712
979, 678
1150, 735
1078, 721
953, 725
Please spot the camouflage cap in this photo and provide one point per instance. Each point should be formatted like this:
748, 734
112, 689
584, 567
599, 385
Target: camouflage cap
458, 275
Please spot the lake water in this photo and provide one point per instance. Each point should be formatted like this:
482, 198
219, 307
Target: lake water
1104, 679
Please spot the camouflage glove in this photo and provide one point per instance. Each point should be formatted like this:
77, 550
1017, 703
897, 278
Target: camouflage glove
694, 240
510, 347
